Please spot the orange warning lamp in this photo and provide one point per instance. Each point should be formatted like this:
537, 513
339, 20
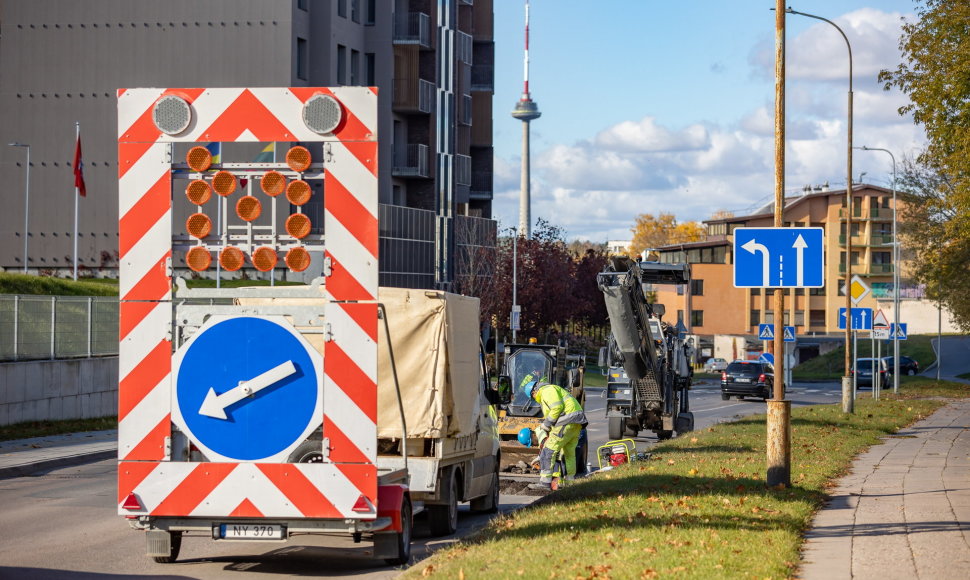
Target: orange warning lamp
264, 259
231, 259
198, 225
298, 158
298, 225
198, 259
298, 259
198, 192
199, 159
224, 183
248, 208
273, 183
298, 192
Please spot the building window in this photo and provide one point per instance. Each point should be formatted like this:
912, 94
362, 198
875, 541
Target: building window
696, 318
355, 10
756, 291
341, 64
755, 319
371, 15
882, 258
816, 318
302, 56
799, 318
354, 68
370, 69
342, 8
816, 291
680, 289
697, 287
302, 4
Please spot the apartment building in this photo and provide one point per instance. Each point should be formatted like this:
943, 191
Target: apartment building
432, 61
712, 305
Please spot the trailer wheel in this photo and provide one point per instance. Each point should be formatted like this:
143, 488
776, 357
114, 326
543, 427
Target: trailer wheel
309, 451
404, 537
443, 519
488, 504
615, 427
176, 542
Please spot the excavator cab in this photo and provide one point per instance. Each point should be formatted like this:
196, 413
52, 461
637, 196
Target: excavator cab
524, 366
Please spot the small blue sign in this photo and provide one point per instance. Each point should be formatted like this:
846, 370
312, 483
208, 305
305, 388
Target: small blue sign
861, 319
767, 357
779, 258
789, 334
246, 388
766, 332
901, 335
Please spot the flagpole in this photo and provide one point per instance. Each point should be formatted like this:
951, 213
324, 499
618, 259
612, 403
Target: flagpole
77, 196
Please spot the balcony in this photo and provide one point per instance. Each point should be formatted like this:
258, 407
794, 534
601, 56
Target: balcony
465, 110
870, 270
873, 240
483, 78
463, 170
413, 28
874, 213
463, 47
481, 186
412, 96
410, 161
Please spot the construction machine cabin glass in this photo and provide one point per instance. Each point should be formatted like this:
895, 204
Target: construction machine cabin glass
523, 367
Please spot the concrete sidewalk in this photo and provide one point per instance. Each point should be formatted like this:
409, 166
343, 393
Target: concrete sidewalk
28, 456
904, 509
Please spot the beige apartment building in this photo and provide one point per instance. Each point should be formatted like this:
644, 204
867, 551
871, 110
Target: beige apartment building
712, 305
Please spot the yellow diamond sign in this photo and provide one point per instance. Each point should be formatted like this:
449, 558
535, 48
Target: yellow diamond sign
857, 289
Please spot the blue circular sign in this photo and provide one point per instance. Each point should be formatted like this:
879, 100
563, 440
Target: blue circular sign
246, 388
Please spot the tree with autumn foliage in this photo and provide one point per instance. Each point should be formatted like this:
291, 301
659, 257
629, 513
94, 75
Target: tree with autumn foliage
651, 231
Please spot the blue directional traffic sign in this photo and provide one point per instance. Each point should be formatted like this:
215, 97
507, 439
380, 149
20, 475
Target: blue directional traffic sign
247, 388
861, 319
767, 357
766, 332
779, 258
901, 334
789, 334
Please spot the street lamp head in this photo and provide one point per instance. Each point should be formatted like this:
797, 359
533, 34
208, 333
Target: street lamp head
18, 144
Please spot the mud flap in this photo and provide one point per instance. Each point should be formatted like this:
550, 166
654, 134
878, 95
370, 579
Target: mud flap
159, 543
684, 423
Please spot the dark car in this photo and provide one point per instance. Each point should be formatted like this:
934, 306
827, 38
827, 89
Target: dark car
863, 369
907, 366
747, 378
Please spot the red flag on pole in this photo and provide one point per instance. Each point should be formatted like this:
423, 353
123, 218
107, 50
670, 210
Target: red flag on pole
79, 169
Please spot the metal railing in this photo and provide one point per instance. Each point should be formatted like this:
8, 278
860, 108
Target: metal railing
463, 170
463, 47
483, 78
411, 161
55, 327
413, 28
416, 96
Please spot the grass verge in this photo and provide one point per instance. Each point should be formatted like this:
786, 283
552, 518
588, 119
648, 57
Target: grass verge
30, 429
11, 283
698, 508
831, 365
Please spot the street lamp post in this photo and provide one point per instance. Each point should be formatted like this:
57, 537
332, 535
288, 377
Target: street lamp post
515, 259
26, 199
848, 401
895, 271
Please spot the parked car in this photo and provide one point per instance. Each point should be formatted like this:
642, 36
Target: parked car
863, 369
714, 365
907, 366
747, 378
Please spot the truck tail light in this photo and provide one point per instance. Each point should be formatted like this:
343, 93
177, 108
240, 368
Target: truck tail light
761, 378
131, 502
723, 375
362, 505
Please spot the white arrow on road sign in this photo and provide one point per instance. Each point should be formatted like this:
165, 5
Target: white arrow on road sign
215, 405
765, 332
753, 246
800, 246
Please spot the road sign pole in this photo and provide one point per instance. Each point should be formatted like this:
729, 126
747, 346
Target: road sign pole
855, 374
879, 357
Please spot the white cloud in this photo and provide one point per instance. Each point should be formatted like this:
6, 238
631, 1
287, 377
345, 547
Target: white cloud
645, 135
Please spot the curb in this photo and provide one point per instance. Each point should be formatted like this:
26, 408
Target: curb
55, 462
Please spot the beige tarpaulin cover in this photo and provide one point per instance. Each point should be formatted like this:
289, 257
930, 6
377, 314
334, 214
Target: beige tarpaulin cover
434, 337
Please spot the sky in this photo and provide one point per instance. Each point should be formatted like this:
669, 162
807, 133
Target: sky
651, 106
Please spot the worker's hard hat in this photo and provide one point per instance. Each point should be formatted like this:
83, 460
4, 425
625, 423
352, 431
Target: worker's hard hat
525, 437
531, 387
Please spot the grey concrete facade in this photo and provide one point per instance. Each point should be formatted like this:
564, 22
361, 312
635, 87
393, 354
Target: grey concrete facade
58, 389
62, 61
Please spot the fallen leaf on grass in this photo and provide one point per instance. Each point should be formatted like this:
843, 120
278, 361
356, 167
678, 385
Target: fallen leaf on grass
427, 571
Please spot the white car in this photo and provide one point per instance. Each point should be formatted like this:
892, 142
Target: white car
714, 365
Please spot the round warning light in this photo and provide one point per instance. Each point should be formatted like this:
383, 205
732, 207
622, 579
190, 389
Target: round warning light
297, 259
199, 159
264, 259
198, 225
322, 114
198, 192
298, 225
224, 183
248, 208
298, 158
231, 259
198, 259
298, 192
171, 114
273, 183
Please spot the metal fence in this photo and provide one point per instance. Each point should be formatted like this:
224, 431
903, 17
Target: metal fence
53, 327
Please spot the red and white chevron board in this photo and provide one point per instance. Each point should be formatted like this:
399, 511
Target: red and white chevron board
145, 354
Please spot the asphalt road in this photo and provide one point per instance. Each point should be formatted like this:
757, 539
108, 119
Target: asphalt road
63, 525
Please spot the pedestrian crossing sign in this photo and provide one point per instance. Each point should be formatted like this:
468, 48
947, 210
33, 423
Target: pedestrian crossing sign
766, 332
789, 334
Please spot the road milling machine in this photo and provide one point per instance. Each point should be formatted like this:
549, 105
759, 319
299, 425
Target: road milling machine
648, 360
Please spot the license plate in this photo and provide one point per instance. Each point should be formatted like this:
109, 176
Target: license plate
743, 380
251, 531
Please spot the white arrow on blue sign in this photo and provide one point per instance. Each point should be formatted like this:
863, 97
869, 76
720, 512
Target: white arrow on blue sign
766, 332
861, 319
779, 258
901, 334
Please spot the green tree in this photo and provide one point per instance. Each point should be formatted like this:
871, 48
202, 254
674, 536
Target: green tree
935, 75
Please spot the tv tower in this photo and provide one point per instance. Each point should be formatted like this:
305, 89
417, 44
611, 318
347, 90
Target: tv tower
525, 110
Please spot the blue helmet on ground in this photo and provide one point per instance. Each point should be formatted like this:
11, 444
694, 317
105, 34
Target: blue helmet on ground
525, 437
